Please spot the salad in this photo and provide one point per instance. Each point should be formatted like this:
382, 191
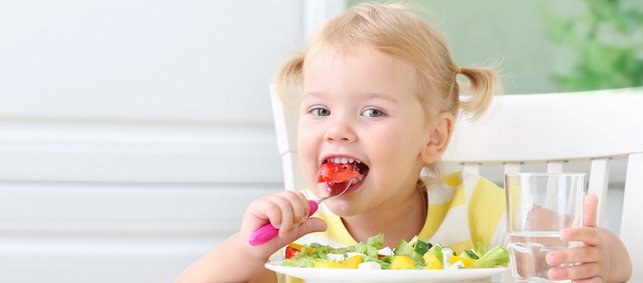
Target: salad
415, 254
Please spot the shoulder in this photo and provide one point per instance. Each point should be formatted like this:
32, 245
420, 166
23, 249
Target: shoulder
466, 205
462, 186
482, 189
460, 180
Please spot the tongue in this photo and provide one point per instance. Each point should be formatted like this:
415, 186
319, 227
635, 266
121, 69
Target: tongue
337, 176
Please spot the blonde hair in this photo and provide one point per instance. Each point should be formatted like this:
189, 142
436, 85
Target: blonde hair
394, 30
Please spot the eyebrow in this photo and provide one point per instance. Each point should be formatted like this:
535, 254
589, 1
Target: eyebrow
374, 95
367, 95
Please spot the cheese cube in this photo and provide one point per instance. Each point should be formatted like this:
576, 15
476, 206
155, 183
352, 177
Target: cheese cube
385, 251
369, 265
336, 257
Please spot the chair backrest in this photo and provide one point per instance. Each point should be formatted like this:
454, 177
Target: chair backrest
521, 132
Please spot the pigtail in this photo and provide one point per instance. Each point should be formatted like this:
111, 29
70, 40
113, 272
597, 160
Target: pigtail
289, 80
483, 84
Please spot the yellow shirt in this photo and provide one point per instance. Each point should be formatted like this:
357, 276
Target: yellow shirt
463, 210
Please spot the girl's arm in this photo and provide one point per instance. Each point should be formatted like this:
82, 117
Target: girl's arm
229, 262
620, 264
235, 260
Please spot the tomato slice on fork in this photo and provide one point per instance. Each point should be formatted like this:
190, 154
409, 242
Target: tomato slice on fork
333, 173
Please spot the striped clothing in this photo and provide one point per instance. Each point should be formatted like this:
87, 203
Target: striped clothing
463, 210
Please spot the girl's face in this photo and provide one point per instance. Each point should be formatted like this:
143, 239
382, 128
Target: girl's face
360, 104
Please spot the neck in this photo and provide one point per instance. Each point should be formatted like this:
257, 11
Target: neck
401, 219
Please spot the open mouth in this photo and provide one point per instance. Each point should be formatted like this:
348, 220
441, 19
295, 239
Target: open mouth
340, 172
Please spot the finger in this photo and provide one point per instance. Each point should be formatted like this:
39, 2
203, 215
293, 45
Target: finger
589, 280
299, 206
287, 214
304, 200
590, 206
580, 254
263, 211
588, 235
312, 224
583, 271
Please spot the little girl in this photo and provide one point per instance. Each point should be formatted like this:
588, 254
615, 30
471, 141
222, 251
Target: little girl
377, 89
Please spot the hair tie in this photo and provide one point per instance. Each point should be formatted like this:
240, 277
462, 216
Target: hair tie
458, 70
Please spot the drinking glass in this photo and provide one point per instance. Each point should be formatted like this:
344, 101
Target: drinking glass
539, 206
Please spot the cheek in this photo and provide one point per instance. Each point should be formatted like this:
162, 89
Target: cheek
307, 147
405, 138
304, 149
304, 136
399, 147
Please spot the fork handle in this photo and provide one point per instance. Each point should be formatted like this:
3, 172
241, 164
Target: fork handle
268, 232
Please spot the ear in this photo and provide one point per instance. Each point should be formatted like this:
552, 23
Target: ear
439, 137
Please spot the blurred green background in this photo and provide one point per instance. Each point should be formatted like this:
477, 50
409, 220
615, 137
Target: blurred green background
544, 45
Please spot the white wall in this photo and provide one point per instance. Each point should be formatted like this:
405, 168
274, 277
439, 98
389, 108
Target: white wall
133, 133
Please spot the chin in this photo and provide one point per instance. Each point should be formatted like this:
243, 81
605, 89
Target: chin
341, 207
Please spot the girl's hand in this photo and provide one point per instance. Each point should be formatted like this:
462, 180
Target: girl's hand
590, 263
287, 211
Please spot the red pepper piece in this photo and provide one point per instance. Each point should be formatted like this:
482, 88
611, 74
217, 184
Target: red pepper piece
292, 249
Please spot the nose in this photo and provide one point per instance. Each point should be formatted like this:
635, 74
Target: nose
340, 130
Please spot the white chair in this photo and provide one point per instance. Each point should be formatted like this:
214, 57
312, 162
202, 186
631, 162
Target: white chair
561, 131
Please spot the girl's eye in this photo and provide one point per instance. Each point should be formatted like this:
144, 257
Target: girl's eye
320, 111
373, 113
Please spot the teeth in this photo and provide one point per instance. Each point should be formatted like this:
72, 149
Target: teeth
343, 160
358, 179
